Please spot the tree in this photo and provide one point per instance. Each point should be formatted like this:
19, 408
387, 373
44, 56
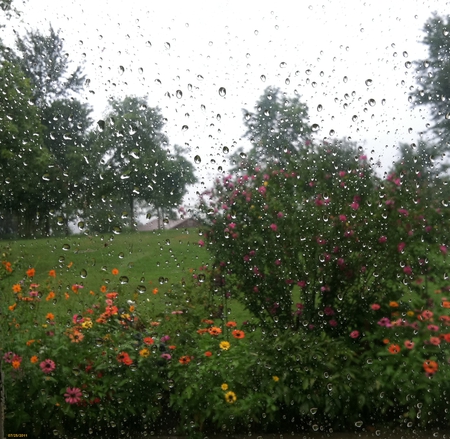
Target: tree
44, 61
24, 161
432, 77
135, 167
279, 125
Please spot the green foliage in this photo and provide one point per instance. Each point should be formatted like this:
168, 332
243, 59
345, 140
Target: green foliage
433, 73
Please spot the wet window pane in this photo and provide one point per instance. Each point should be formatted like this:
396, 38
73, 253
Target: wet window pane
224, 220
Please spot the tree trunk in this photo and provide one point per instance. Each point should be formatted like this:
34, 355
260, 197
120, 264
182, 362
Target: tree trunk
131, 207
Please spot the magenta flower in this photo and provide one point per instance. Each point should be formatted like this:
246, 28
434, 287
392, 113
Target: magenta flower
328, 311
47, 366
165, 338
403, 212
407, 270
278, 262
354, 205
8, 357
401, 247
382, 239
262, 190
443, 249
385, 322
166, 356
433, 327
375, 307
73, 395
201, 243
232, 225
274, 227
342, 174
333, 323
301, 283
354, 334
342, 218
280, 214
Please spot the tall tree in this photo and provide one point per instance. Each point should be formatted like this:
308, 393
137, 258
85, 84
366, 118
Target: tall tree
278, 126
135, 165
433, 76
24, 161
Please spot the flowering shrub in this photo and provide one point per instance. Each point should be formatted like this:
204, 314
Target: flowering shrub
313, 243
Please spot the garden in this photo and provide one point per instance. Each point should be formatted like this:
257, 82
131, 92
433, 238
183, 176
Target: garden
310, 301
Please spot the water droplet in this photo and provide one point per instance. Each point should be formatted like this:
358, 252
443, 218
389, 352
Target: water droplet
332, 132
313, 410
197, 159
81, 225
167, 45
141, 289
140, 70
117, 230
201, 278
222, 91
354, 118
184, 128
372, 102
121, 70
405, 54
368, 82
83, 273
287, 81
123, 280
225, 149
219, 117
319, 107
101, 125
283, 65
315, 127
65, 247
345, 79
161, 280
148, 44
408, 64
179, 94
46, 177
358, 423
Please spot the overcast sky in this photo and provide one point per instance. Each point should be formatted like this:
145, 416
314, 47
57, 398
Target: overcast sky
320, 50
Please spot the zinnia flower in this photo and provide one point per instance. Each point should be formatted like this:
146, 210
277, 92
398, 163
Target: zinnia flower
52, 273
76, 337
144, 352
224, 345
394, 349
17, 288
184, 359
47, 366
31, 272
430, 366
230, 397
115, 271
224, 386
50, 316
73, 395
34, 359
208, 353
409, 344
238, 333
354, 334
275, 378
215, 330
148, 341
230, 324
166, 356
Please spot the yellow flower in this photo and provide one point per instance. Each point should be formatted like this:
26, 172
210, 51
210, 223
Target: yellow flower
275, 378
410, 313
230, 397
224, 386
87, 324
266, 183
224, 345
144, 352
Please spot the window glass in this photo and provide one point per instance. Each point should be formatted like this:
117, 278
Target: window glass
224, 219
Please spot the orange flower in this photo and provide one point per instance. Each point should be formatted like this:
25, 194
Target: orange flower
12, 307
103, 289
238, 333
7, 266
208, 322
112, 295
430, 366
154, 323
52, 273
393, 304
66, 295
172, 347
76, 337
385, 340
155, 291
148, 341
115, 271
215, 330
50, 316
15, 364
394, 349
17, 288
202, 331
436, 341
30, 342
131, 308
446, 337
184, 359
31, 272
446, 304
34, 359
50, 296
70, 265
231, 325
208, 353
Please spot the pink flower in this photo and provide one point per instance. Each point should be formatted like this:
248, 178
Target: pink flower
274, 227
382, 239
77, 318
262, 190
342, 218
342, 174
354, 334
401, 247
436, 341
443, 249
301, 283
201, 243
328, 311
47, 366
8, 357
333, 323
109, 302
278, 262
33, 293
280, 215
166, 356
403, 212
73, 395
407, 270
232, 225
354, 205
433, 328
165, 338
385, 322
375, 307
409, 344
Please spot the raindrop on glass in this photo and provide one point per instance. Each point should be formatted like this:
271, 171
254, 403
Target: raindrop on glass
179, 94
222, 91
368, 82
83, 273
197, 159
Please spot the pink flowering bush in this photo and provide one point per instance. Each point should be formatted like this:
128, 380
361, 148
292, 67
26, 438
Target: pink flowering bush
324, 232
